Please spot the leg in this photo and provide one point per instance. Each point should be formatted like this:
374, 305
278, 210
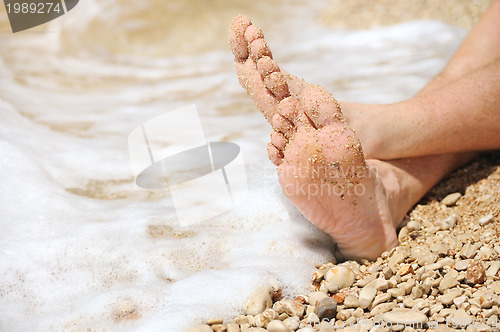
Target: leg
462, 99
320, 162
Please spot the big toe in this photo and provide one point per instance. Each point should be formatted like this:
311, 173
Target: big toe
237, 41
320, 106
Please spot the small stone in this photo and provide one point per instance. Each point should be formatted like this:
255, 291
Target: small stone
493, 269
339, 297
366, 296
351, 301
447, 223
397, 258
469, 250
200, 328
214, 321
387, 272
448, 297
462, 265
379, 284
292, 308
448, 281
423, 255
435, 308
384, 297
413, 226
486, 220
405, 316
254, 329
381, 308
475, 273
459, 319
395, 292
314, 297
277, 326
451, 199
426, 286
259, 301
326, 308
486, 301
405, 269
458, 301
440, 248
407, 286
416, 292
339, 277
233, 327
403, 233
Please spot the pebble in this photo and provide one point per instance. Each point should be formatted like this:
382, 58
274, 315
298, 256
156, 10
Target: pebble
259, 301
214, 321
450, 295
277, 326
339, 277
200, 328
384, 297
405, 269
403, 316
460, 319
475, 274
462, 265
407, 286
233, 327
440, 248
413, 226
382, 308
469, 250
416, 292
326, 308
395, 292
448, 281
423, 255
451, 199
253, 329
317, 296
447, 223
292, 308
486, 220
493, 269
366, 296
351, 301
397, 258
379, 284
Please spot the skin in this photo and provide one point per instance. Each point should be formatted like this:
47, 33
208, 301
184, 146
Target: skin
322, 165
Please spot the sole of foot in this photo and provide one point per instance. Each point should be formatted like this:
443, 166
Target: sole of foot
320, 162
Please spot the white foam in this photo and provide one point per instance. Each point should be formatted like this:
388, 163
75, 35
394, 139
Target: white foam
71, 259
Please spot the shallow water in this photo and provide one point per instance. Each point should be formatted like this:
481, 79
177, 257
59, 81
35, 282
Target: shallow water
81, 246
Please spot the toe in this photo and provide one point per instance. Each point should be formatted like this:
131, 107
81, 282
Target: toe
275, 82
237, 41
275, 155
266, 66
320, 106
252, 32
278, 140
259, 48
291, 109
282, 125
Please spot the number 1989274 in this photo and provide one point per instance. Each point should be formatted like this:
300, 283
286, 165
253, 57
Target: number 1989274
33, 8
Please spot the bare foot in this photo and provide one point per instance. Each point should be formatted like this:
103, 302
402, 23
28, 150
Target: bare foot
320, 162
